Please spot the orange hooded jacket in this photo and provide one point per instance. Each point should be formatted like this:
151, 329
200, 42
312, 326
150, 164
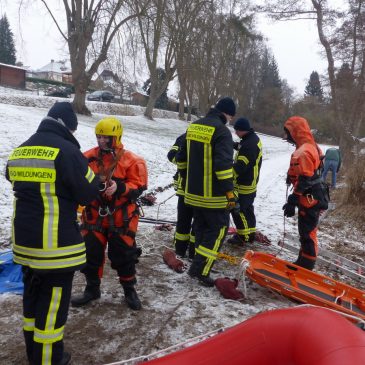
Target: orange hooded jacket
305, 160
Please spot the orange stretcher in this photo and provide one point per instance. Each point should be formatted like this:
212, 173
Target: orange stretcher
303, 285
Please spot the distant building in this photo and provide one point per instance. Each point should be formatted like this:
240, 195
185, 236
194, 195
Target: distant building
109, 76
13, 76
138, 98
56, 71
173, 105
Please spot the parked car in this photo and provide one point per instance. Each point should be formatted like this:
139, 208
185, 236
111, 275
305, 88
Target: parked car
101, 95
59, 92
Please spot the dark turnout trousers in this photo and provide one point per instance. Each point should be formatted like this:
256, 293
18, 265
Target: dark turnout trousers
184, 236
245, 219
46, 302
210, 227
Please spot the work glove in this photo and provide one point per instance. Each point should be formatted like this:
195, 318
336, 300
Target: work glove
289, 207
293, 199
289, 210
232, 200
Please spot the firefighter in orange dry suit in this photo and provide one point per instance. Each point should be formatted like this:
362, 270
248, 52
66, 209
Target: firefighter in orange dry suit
309, 192
113, 218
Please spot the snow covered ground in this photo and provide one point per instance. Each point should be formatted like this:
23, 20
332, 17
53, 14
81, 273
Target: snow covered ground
175, 307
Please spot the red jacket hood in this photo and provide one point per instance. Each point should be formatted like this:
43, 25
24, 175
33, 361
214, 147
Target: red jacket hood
299, 129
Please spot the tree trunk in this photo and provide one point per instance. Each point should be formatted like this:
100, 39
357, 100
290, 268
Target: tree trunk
79, 101
189, 114
181, 102
182, 94
150, 105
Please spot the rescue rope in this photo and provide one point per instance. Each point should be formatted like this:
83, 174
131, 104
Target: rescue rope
138, 359
163, 202
281, 242
241, 275
340, 296
359, 320
171, 348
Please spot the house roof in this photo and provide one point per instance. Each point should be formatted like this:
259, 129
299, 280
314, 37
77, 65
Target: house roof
106, 73
138, 93
13, 66
55, 66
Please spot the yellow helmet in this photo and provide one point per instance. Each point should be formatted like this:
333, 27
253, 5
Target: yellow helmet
112, 127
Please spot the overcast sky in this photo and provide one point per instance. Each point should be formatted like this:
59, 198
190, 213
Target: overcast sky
294, 44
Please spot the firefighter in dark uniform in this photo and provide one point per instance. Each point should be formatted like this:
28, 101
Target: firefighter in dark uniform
184, 239
309, 192
206, 159
112, 219
246, 171
50, 178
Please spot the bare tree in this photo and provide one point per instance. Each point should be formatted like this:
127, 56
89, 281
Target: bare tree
341, 33
157, 46
88, 21
221, 50
181, 19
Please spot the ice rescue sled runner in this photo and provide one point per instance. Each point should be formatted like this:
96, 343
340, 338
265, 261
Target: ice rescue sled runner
303, 285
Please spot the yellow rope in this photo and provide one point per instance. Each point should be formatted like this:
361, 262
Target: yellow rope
234, 260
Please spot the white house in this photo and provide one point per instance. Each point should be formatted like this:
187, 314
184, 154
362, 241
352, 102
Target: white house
55, 70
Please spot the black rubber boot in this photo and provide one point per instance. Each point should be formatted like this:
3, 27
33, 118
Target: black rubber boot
131, 297
236, 240
191, 250
66, 359
305, 262
204, 280
91, 292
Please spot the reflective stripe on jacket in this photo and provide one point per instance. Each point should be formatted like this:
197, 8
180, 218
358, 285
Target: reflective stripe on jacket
246, 169
50, 178
206, 161
179, 181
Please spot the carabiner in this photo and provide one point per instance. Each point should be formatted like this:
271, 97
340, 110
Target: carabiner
103, 212
102, 186
309, 198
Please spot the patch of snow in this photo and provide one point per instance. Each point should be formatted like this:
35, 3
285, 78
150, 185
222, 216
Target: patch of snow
175, 307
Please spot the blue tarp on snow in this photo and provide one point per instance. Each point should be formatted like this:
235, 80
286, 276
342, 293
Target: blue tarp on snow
10, 274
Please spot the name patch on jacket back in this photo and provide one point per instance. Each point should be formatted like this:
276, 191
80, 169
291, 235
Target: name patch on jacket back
200, 133
33, 164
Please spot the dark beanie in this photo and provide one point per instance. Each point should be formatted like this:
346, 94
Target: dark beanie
226, 105
242, 124
64, 111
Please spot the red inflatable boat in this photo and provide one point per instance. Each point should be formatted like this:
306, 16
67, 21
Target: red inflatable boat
294, 336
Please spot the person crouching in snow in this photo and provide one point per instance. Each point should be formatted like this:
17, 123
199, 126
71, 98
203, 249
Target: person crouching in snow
309, 193
113, 217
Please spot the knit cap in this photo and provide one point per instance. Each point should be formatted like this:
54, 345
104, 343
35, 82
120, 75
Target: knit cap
64, 111
242, 124
226, 105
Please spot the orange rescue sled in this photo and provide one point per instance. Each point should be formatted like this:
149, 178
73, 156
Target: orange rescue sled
303, 285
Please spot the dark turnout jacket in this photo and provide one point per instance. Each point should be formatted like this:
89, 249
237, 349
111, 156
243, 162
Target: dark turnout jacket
50, 178
179, 181
247, 165
206, 160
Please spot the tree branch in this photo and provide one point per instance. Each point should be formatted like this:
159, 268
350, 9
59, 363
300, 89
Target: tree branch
55, 21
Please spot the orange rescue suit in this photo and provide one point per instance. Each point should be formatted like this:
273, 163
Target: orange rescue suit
303, 171
115, 218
